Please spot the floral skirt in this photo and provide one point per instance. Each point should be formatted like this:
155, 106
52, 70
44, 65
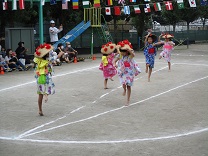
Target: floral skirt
48, 88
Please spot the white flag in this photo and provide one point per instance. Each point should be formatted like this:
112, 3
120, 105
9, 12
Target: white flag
107, 11
192, 3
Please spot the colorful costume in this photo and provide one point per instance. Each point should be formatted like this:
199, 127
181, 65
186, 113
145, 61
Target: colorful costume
107, 60
167, 49
150, 53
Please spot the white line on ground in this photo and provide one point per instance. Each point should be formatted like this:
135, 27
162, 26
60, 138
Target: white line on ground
113, 110
111, 141
20, 85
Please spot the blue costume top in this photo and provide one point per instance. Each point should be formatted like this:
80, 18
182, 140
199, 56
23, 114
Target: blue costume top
150, 53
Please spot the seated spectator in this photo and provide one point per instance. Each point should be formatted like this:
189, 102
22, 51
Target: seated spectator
61, 54
3, 52
4, 64
21, 53
13, 61
72, 53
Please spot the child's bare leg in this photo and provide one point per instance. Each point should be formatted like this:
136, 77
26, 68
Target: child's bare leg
169, 64
111, 79
128, 95
147, 66
105, 84
40, 99
46, 98
149, 74
124, 87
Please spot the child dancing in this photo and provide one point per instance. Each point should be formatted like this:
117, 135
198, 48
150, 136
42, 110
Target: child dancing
126, 66
167, 48
43, 74
150, 53
107, 62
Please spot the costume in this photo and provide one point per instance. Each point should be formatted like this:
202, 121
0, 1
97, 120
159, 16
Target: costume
150, 53
127, 67
44, 70
107, 60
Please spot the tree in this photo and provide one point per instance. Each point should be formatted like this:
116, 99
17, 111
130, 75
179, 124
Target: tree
203, 14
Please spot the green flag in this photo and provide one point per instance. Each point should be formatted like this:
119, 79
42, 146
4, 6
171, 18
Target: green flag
14, 4
180, 4
86, 3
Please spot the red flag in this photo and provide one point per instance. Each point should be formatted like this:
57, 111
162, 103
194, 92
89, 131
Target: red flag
21, 4
168, 5
117, 10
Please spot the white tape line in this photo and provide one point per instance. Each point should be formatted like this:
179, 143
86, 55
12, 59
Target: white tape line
116, 109
111, 141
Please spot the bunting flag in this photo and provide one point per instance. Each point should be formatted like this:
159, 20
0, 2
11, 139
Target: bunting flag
180, 4
5, 4
147, 0
43, 2
126, 10
64, 4
147, 8
107, 10
117, 10
157, 6
192, 3
86, 3
14, 4
75, 4
137, 9
204, 2
21, 4
168, 5
110, 2
133, 1
52, 2
96, 3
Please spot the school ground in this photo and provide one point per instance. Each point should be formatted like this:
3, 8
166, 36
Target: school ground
166, 117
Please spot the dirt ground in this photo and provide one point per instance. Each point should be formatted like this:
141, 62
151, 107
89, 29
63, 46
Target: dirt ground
166, 117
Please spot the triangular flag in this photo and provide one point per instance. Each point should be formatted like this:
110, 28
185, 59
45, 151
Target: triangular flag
52, 2
132, 1
5, 4
126, 10
107, 10
110, 2
117, 10
14, 4
96, 3
21, 4
75, 4
192, 3
157, 6
168, 5
137, 9
147, 8
86, 3
43, 2
204, 2
180, 4
64, 4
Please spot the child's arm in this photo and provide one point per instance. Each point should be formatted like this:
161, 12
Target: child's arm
171, 43
114, 62
131, 53
145, 41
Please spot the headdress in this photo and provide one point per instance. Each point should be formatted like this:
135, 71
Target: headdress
42, 50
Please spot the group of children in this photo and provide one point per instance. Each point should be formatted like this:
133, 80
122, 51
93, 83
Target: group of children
116, 59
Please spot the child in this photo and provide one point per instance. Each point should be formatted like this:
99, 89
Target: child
150, 53
107, 62
45, 85
4, 64
127, 67
167, 48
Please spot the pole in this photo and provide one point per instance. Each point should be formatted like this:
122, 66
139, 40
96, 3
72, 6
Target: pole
92, 43
41, 22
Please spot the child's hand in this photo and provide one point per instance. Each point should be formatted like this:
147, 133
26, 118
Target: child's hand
115, 66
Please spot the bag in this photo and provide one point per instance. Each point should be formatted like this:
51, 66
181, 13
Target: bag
42, 79
22, 61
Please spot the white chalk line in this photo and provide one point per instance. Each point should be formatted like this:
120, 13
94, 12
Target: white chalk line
48, 123
110, 141
27, 83
113, 110
187, 55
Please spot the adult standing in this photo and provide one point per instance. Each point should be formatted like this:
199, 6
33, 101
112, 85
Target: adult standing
53, 31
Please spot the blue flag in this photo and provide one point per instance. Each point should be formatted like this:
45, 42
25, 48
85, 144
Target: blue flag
52, 2
204, 2
126, 10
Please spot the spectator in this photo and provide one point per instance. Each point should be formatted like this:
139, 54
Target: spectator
71, 52
3, 52
21, 53
4, 64
61, 54
53, 31
13, 61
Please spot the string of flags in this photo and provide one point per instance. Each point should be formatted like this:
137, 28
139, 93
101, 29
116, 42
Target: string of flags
109, 7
